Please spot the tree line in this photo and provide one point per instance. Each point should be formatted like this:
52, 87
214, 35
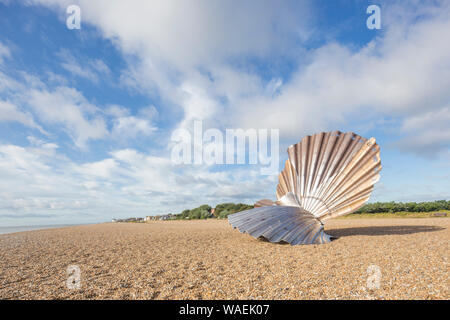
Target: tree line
222, 210
392, 207
205, 211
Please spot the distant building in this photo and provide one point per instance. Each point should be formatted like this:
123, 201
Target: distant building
166, 217
151, 218
129, 220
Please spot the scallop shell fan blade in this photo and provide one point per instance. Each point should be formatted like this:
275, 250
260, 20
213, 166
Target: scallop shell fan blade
280, 224
331, 173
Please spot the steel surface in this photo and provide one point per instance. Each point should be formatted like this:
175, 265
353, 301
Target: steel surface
327, 175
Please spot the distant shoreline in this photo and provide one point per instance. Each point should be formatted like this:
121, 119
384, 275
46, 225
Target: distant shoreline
14, 229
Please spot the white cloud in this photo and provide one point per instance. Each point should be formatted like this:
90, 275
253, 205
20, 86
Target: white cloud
197, 104
5, 52
429, 133
68, 107
125, 125
117, 111
126, 183
184, 53
402, 73
174, 45
41, 147
100, 169
60, 107
7, 83
37, 182
187, 34
90, 69
56, 79
11, 113
132, 127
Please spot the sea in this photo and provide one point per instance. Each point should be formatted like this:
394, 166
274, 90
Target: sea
4, 230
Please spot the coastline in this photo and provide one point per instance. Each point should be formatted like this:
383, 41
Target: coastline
15, 229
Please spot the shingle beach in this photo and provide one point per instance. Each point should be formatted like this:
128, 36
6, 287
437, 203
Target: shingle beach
372, 259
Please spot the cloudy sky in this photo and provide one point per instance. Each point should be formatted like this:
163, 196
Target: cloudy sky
86, 116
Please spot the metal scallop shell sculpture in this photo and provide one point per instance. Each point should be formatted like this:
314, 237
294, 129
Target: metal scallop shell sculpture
327, 175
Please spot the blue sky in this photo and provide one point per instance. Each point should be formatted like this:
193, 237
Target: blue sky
86, 116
